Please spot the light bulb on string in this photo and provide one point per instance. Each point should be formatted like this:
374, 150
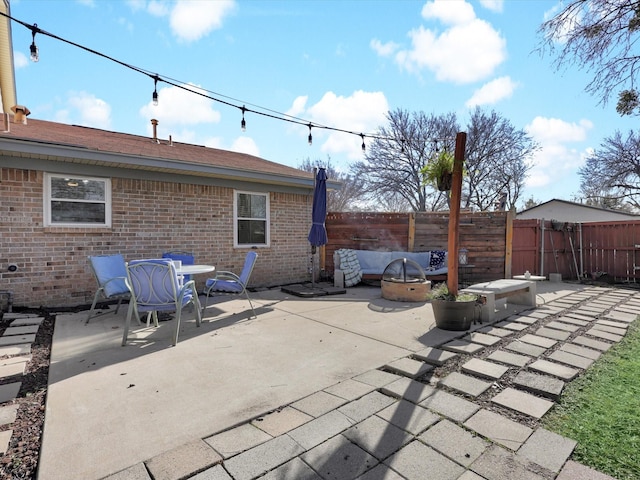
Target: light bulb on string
35, 56
243, 123
310, 137
154, 96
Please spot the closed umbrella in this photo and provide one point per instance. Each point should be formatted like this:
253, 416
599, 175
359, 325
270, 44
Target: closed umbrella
318, 233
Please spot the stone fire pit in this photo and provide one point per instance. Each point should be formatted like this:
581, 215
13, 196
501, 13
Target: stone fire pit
404, 281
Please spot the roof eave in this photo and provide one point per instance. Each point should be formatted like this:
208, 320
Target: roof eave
78, 154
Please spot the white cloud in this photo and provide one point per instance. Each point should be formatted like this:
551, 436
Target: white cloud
449, 12
361, 112
555, 130
87, 3
158, 8
85, 109
245, 145
492, 92
177, 108
557, 158
191, 20
299, 104
20, 60
383, 49
468, 50
493, 5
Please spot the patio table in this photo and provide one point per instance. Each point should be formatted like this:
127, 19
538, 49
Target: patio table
194, 269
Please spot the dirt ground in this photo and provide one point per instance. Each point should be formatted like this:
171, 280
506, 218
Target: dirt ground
20, 461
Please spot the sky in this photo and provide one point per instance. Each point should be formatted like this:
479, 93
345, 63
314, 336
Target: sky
339, 63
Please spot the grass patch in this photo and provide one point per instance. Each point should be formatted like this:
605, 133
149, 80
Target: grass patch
601, 411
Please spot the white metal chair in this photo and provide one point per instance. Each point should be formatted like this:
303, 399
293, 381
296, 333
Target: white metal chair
229, 283
110, 272
154, 287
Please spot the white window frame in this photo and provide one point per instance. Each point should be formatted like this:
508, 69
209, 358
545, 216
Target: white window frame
47, 201
267, 221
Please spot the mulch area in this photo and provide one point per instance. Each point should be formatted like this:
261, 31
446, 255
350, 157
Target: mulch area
20, 461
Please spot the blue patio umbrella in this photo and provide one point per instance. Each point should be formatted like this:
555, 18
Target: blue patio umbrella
318, 233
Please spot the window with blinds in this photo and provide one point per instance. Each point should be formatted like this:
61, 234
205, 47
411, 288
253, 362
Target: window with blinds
251, 217
77, 201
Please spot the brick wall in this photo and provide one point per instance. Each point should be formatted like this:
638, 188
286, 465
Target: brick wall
148, 218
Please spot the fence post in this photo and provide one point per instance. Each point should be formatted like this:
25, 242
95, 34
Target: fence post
508, 254
411, 234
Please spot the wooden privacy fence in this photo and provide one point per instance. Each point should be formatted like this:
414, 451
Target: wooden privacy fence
485, 235
593, 250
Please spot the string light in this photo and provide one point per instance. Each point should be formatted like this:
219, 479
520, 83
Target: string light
183, 85
34, 49
154, 96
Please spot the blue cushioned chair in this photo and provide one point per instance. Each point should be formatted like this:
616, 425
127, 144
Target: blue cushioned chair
230, 283
110, 272
154, 287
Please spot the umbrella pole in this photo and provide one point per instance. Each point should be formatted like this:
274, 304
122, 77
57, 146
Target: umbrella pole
313, 266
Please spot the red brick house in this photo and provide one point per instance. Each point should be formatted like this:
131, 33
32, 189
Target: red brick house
67, 192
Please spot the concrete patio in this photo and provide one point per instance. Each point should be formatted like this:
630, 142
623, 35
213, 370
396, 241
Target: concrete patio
144, 410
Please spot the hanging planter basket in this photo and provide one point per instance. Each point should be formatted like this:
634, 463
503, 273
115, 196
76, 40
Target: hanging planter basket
444, 181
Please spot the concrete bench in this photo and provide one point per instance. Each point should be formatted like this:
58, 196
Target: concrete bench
519, 292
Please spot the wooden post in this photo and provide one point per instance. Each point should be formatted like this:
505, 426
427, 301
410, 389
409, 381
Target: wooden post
454, 214
412, 232
508, 254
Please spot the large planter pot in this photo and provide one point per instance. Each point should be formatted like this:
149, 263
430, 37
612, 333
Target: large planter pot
453, 315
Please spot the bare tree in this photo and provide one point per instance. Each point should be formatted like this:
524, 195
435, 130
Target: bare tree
393, 203
611, 175
599, 36
393, 161
350, 197
495, 161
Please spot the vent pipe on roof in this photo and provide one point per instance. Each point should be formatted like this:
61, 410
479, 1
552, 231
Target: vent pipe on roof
154, 122
21, 113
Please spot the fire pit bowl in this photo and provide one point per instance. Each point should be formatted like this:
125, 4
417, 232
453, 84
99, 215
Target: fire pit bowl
404, 280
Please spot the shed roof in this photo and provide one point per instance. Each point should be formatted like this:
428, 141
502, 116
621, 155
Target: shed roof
571, 210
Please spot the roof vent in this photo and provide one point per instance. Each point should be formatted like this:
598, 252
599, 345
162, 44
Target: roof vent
21, 113
154, 122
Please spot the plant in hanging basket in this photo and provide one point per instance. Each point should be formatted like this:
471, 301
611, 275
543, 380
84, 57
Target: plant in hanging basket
439, 171
454, 312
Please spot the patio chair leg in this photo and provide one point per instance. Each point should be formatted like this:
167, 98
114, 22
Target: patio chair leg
177, 330
198, 309
251, 305
118, 306
206, 302
93, 306
127, 323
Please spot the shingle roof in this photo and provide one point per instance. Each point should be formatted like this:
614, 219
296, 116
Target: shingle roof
582, 205
134, 149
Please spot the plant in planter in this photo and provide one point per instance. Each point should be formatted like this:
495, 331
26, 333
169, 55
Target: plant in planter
439, 171
453, 312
